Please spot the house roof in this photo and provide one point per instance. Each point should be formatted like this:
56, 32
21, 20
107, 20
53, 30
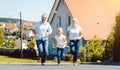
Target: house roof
1, 23
96, 17
11, 26
29, 24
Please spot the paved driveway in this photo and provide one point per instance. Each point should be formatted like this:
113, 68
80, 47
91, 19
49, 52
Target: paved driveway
37, 66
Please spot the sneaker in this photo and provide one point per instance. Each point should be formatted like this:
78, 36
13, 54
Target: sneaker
42, 64
74, 63
58, 64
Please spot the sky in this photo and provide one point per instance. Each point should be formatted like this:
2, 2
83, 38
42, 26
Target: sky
31, 9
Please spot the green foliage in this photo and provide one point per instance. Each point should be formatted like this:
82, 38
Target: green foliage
10, 43
68, 57
108, 56
31, 44
6, 51
55, 59
13, 44
92, 51
28, 53
116, 46
9, 20
2, 39
82, 54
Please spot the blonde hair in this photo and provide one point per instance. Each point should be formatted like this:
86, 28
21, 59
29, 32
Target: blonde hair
75, 20
60, 28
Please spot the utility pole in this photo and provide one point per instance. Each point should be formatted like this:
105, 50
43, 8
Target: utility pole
21, 35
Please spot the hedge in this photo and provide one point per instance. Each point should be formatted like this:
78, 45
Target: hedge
28, 53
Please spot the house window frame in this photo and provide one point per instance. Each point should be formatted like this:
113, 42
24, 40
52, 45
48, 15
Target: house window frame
68, 20
59, 21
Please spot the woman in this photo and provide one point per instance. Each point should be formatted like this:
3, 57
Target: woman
74, 35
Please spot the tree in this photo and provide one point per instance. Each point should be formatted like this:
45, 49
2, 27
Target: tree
2, 38
108, 55
116, 46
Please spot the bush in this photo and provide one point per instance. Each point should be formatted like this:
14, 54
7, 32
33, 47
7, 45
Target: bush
55, 59
27, 53
16, 53
92, 51
82, 54
68, 57
108, 55
31, 44
5, 51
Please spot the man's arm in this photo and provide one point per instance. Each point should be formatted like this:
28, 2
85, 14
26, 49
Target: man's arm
49, 31
34, 32
67, 36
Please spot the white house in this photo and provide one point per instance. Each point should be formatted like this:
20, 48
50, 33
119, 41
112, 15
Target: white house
11, 27
28, 33
96, 17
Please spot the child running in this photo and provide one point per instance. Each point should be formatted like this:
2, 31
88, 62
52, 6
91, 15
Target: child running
60, 42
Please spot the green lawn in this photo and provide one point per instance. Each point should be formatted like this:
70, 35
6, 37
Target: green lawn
15, 60
7, 59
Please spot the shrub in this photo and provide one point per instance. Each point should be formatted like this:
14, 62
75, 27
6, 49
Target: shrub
31, 44
2, 38
116, 44
55, 59
92, 51
108, 55
68, 57
6, 51
27, 53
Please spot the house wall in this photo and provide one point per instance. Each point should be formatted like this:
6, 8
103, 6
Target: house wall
62, 11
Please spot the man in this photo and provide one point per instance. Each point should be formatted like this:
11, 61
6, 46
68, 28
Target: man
42, 30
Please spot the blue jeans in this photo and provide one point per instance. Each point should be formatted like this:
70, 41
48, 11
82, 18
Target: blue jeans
60, 54
74, 48
42, 46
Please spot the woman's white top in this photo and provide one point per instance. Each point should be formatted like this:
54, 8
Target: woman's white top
74, 32
59, 40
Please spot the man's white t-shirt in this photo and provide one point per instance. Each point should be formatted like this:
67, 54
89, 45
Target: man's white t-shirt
59, 40
41, 28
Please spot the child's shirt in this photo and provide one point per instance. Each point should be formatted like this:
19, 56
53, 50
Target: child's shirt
59, 40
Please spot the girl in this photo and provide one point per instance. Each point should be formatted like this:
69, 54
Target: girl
60, 42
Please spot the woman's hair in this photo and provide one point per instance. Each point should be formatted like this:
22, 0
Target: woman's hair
75, 20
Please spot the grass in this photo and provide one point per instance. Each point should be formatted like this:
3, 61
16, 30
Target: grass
8, 59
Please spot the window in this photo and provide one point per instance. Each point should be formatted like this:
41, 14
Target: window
59, 21
68, 20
